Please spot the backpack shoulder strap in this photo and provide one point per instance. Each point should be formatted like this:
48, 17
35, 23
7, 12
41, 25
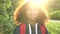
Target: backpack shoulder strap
22, 28
43, 29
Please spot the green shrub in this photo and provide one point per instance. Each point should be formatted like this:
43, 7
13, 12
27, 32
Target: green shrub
6, 16
54, 27
55, 15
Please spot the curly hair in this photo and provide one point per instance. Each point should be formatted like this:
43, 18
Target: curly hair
20, 15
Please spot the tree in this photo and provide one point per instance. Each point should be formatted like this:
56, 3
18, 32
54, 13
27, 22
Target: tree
6, 16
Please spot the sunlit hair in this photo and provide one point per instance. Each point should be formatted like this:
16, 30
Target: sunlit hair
21, 17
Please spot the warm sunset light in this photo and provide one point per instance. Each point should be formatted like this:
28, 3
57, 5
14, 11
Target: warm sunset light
34, 4
38, 3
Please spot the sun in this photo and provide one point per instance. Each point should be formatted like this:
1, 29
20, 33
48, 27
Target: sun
38, 3
35, 3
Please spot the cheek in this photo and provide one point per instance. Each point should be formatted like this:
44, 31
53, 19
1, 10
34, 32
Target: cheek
28, 13
35, 13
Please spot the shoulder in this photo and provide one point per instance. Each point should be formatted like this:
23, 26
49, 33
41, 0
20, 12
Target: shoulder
43, 29
16, 30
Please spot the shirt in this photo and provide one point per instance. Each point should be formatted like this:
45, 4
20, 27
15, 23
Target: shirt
29, 30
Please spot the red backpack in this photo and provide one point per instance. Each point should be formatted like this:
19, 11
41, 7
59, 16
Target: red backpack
23, 29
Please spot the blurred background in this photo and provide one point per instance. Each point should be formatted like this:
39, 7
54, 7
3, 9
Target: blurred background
7, 8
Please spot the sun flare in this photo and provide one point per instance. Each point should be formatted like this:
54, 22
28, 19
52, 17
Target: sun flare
33, 3
36, 3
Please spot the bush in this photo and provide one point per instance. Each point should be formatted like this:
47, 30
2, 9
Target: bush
55, 15
54, 27
6, 16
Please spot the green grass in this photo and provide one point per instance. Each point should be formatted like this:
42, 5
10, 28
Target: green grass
54, 27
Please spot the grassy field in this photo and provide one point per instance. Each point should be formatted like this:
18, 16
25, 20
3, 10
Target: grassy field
54, 27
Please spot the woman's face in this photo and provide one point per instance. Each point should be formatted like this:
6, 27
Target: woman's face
32, 13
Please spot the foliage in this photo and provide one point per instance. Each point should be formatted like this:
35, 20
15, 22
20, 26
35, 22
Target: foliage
54, 5
55, 15
54, 10
7, 8
6, 16
54, 27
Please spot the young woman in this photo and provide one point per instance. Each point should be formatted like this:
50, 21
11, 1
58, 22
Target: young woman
30, 20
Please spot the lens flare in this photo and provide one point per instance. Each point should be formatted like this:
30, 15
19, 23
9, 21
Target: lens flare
38, 3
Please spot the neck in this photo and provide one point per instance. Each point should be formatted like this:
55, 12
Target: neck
31, 22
